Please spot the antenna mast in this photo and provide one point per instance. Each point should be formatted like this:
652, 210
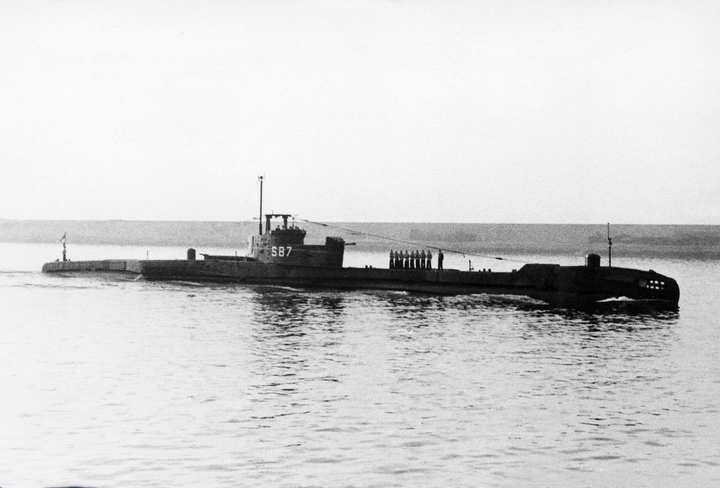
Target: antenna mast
63, 239
609, 248
261, 184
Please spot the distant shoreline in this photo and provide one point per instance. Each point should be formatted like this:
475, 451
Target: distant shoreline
694, 241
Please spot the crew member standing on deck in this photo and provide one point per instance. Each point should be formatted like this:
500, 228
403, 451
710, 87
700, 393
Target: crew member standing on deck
422, 259
440, 259
429, 260
417, 259
392, 261
406, 261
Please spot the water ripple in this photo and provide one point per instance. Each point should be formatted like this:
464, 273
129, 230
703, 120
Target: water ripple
152, 384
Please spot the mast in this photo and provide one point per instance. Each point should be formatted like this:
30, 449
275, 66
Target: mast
609, 248
261, 184
64, 238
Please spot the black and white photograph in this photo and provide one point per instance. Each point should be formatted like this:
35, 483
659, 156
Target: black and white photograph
359, 243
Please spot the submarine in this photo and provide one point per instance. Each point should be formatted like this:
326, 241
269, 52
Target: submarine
280, 256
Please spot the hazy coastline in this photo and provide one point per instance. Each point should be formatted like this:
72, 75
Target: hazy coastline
694, 241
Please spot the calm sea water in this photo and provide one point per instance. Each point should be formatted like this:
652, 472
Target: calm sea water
116, 383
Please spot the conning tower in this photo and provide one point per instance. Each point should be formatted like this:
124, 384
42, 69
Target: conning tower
286, 246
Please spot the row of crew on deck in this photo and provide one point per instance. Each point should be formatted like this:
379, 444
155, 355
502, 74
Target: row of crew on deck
414, 259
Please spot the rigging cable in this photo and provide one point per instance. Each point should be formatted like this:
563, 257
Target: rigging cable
415, 244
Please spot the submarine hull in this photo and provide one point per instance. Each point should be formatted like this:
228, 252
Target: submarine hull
552, 283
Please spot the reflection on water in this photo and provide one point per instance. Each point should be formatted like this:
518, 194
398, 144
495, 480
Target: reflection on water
137, 384
511, 371
294, 334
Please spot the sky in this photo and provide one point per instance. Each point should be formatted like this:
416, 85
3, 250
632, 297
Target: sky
512, 111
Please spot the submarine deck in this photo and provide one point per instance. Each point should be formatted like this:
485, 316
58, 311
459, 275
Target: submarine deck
552, 283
